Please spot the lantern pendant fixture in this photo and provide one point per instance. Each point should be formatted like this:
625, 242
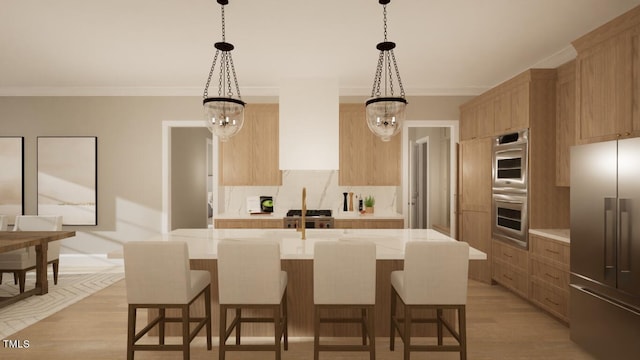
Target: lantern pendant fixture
224, 114
385, 113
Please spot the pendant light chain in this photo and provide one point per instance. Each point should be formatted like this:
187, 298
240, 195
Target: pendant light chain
213, 67
227, 69
384, 13
223, 27
395, 64
235, 78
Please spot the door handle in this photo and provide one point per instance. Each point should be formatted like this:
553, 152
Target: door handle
624, 255
609, 232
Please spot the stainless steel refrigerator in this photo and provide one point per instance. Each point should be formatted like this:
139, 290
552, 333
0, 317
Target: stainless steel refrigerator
605, 248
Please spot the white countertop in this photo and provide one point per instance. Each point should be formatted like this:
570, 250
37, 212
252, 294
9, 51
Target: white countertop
390, 243
336, 215
562, 235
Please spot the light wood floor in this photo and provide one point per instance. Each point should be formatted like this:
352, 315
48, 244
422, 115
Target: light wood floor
500, 326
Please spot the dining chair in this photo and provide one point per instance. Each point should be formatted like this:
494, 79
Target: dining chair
250, 277
20, 261
158, 276
434, 277
344, 277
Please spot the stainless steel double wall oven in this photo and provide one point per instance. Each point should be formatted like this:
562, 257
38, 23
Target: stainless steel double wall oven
510, 188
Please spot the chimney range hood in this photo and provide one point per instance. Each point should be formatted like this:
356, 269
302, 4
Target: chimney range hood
309, 126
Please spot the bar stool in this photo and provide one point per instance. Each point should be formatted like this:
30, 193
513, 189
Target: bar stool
250, 277
344, 276
158, 276
434, 277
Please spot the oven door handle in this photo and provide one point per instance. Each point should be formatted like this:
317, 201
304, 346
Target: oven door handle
508, 201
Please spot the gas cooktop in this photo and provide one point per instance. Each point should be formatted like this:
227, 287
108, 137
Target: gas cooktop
309, 213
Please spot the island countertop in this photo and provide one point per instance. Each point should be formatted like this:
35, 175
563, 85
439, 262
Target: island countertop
203, 243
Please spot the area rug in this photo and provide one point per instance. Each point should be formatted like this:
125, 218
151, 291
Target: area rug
70, 289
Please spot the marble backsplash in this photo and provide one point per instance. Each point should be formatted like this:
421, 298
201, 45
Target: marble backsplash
323, 192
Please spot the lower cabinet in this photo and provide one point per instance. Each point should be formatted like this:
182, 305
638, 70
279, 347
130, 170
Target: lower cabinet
369, 223
550, 275
511, 267
540, 275
248, 223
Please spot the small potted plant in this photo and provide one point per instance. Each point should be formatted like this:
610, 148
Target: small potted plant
369, 202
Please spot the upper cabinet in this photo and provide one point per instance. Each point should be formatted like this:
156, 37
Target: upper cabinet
364, 158
476, 119
251, 157
608, 80
503, 109
511, 106
565, 120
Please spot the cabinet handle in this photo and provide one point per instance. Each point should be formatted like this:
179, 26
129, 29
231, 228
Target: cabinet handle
551, 301
552, 251
507, 255
507, 276
553, 277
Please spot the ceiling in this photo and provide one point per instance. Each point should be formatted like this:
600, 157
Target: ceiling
165, 47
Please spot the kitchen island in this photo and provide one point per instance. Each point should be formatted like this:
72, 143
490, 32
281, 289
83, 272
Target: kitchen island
297, 256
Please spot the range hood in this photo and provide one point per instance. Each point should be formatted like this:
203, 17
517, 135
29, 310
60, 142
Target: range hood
309, 126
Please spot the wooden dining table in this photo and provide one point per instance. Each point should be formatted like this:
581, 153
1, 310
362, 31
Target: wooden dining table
14, 240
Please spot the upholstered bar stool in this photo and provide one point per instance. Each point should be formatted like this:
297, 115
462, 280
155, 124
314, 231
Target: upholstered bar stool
20, 261
250, 277
158, 276
344, 276
434, 277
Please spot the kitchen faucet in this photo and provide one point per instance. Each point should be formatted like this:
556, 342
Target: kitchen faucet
303, 218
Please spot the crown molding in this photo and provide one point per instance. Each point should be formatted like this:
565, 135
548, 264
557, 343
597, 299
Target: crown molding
191, 91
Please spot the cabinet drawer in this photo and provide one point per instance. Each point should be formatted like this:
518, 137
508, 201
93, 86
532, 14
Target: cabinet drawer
552, 299
550, 249
511, 255
551, 274
511, 278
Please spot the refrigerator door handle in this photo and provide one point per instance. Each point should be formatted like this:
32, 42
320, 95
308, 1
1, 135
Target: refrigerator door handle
610, 212
625, 236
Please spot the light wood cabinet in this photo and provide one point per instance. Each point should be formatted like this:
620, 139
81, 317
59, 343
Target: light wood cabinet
251, 156
476, 231
511, 107
608, 80
476, 119
365, 160
565, 120
510, 267
369, 223
549, 275
503, 109
474, 189
475, 174
248, 223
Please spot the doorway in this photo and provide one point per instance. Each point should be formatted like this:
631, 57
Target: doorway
419, 184
436, 143
168, 198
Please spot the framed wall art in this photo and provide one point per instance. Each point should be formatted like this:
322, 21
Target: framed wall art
11, 177
67, 178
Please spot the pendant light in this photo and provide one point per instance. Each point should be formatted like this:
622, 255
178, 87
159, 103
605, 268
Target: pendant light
386, 112
224, 114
